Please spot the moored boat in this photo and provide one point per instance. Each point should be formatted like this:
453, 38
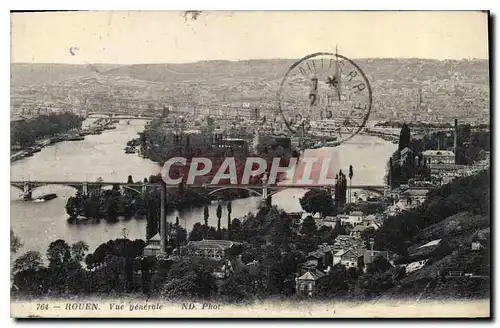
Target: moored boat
44, 198
74, 138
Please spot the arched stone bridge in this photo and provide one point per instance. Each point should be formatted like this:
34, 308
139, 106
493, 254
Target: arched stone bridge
264, 191
120, 116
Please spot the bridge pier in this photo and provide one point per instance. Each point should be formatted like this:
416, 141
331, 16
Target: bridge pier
85, 189
266, 198
27, 191
144, 189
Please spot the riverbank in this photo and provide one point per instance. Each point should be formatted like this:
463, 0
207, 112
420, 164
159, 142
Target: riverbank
75, 134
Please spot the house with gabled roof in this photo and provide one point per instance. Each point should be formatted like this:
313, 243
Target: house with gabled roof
358, 230
349, 258
306, 283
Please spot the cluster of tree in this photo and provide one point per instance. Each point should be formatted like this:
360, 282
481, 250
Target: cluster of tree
111, 204
272, 241
465, 194
114, 267
103, 204
26, 133
160, 144
321, 201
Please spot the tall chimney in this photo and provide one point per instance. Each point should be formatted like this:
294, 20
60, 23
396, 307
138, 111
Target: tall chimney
455, 139
163, 220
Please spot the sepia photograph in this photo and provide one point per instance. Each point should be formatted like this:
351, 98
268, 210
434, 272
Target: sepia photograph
250, 164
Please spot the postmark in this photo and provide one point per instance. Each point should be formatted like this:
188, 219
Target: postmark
325, 95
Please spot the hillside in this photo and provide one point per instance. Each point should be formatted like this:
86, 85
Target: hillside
455, 213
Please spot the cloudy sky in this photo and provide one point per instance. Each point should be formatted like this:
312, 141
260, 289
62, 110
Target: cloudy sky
166, 37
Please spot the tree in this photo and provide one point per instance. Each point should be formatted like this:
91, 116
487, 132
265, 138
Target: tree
219, 216
78, 250
351, 173
404, 137
58, 253
334, 283
317, 201
236, 230
238, 287
190, 278
309, 227
15, 242
340, 189
198, 232
31, 260
206, 215
379, 265
229, 210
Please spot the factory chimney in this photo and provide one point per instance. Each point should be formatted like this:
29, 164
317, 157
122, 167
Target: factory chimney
163, 220
455, 139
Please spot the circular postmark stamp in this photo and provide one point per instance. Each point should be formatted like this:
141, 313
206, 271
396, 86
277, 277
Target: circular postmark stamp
325, 95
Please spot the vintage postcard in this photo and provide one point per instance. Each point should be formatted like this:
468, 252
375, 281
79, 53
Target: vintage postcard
209, 164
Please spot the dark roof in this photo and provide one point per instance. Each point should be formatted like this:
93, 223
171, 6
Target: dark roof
312, 274
223, 244
316, 254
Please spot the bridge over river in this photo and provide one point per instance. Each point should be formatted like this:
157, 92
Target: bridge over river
262, 190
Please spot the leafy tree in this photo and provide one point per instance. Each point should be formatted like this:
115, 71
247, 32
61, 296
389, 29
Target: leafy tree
326, 235
236, 230
78, 250
374, 284
58, 253
219, 216
309, 227
238, 287
15, 242
379, 265
229, 210
212, 234
317, 201
198, 232
206, 215
404, 137
31, 260
190, 278
334, 283
351, 174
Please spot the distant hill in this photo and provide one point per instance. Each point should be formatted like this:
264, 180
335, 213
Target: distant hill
450, 87
377, 69
29, 74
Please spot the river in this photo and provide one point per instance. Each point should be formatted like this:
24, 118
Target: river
37, 224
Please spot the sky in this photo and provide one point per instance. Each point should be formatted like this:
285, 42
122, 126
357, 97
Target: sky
119, 37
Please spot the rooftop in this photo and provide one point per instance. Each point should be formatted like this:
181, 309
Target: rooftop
155, 237
416, 192
224, 244
431, 243
313, 274
360, 228
438, 153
